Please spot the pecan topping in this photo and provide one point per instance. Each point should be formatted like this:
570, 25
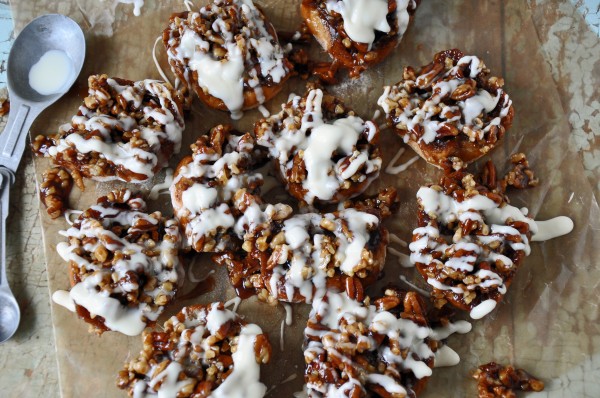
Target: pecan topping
450, 108
196, 353
54, 191
498, 381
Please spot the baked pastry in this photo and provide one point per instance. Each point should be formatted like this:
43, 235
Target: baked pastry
323, 152
203, 351
498, 381
355, 349
469, 242
123, 131
228, 53
358, 33
450, 109
123, 264
294, 258
205, 183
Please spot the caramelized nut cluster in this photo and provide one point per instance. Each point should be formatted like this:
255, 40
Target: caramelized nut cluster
196, 353
124, 130
324, 20
469, 242
354, 349
498, 381
293, 257
449, 108
205, 185
294, 144
116, 250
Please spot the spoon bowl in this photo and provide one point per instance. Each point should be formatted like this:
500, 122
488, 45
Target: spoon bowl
10, 314
43, 34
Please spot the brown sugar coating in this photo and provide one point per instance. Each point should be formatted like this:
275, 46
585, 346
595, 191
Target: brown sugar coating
228, 54
450, 108
123, 263
322, 151
123, 131
201, 351
329, 22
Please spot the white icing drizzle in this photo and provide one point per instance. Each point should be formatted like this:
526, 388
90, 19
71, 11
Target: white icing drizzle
244, 381
334, 311
288, 313
403, 259
446, 356
281, 340
423, 110
157, 126
197, 337
571, 197
478, 248
264, 111
226, 77
234, 302
376, 114
163, 187
206, 204
362, 18
63, 298
99, 284
193, 278
391, 169
396, 239
482, 309
414, 287
137, 5
552, 228
319, 140
156, 63
303, 268
69, 213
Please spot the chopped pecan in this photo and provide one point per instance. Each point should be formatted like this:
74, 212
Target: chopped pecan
498, 381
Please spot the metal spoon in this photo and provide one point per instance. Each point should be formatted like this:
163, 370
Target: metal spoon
48, 32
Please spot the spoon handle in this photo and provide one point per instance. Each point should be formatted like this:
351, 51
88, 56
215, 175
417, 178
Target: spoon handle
12, 140
6, 179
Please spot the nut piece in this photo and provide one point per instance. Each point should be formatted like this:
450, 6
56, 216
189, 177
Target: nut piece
54, 190
498, 381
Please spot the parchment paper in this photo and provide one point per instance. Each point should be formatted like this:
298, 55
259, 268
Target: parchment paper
548, 321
